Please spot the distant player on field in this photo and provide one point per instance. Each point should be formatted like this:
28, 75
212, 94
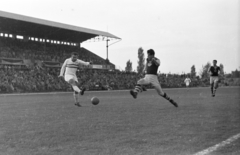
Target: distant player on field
151, 77
214, 72
187, 81
68, 71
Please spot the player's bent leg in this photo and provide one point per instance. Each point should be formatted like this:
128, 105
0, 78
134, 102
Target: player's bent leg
140, 85
144, 88
75, 87
71, 81
138, 88
82, 90
133, 93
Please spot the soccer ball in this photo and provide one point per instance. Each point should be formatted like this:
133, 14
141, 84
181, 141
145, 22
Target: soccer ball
95, 100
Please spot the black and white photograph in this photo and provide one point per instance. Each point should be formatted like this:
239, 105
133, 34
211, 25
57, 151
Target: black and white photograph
119, 77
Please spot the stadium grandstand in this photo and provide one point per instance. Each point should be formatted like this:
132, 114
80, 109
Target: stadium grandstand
49, 41
32, 51
35, 46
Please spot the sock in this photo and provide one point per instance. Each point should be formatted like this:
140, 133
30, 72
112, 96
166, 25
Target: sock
138, 88
166, 96
76, 89
212, 89
76, 96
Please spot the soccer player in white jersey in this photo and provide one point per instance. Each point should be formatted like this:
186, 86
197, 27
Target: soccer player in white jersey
151, 77
187, 81
68, 71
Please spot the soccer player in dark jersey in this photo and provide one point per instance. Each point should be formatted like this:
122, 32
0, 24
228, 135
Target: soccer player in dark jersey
151, 77
214, 72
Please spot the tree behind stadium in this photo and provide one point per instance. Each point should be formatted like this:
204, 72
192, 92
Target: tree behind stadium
141, 61
128, 67
204, 71
193, 71
221, 72
222, 69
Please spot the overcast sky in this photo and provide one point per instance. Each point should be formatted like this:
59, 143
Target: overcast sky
182, 32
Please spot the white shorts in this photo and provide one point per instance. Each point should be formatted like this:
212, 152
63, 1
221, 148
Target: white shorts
153, 80
149, 79
213, 79
69, 77
187, 83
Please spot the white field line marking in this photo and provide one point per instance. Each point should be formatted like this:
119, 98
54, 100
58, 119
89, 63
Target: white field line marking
105, 91
219, 145
52, 93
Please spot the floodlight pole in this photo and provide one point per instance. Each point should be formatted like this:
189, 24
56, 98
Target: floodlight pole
109, 45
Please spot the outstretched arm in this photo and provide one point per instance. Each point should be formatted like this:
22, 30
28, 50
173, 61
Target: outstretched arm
84, 63
63, 68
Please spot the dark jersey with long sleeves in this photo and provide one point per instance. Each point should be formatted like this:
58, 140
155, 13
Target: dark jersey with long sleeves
151, 67
214, 70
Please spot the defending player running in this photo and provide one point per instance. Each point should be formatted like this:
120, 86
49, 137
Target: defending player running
68, 70
214, 72
151, 77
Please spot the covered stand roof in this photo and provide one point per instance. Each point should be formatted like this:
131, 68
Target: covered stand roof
34, 27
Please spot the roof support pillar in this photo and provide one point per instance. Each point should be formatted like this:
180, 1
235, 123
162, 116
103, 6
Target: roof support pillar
26, 38
14, 36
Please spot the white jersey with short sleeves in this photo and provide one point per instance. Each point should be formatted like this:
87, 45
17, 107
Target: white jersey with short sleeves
187, 80
70, 68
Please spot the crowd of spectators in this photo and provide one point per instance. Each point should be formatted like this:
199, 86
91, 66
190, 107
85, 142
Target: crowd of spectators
33, 50
30, 80
43, 79
38, 78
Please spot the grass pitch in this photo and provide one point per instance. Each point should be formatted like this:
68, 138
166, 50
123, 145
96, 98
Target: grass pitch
50, 124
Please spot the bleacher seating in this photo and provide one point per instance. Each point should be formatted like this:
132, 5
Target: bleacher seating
34, 67
16, 48
40, 66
